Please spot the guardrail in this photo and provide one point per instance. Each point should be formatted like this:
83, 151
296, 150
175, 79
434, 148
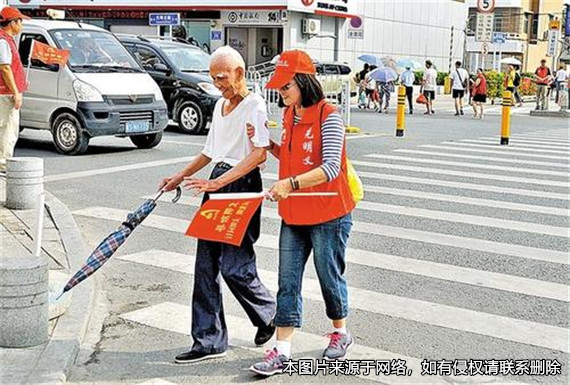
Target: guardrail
336, 90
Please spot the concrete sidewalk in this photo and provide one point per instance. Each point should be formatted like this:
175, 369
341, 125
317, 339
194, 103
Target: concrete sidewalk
65, 251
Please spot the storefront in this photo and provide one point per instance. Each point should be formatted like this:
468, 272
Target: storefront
259, 29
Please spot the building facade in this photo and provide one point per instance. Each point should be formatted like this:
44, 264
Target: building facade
260, 29
525, 24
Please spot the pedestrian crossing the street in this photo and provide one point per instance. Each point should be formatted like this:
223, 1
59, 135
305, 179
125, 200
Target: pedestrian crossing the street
475, 236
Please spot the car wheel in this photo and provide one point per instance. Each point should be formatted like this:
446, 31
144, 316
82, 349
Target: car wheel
191, 118
146, 141
68, 137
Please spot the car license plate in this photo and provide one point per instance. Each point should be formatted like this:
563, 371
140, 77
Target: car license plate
137, 126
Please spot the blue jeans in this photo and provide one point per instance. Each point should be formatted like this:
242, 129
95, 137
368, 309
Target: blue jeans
328, 243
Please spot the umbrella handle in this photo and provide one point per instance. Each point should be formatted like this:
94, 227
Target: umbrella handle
174, 200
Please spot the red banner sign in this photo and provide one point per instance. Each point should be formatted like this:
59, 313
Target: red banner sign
48, 54
223, 221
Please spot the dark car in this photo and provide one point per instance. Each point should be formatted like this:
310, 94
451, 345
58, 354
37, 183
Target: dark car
182, 72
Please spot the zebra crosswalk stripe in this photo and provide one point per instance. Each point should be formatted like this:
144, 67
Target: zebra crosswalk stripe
435, 314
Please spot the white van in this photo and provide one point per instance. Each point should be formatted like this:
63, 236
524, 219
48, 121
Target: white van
101, 91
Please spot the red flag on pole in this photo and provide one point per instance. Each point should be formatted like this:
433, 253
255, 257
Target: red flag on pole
48, 54
224, 220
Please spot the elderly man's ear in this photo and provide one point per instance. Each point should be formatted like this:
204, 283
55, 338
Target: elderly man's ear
240, 74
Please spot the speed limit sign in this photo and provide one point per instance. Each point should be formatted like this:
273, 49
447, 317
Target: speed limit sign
486, 6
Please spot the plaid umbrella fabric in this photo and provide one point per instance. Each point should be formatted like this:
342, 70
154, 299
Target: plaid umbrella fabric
112, 242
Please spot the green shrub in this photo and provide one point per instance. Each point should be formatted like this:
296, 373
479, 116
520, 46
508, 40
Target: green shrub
439, 80
494, 85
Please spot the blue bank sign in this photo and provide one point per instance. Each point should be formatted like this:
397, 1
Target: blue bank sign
164, 19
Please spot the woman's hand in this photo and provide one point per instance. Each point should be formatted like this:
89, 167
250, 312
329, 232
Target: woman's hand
169, 184
202, 185
280, 190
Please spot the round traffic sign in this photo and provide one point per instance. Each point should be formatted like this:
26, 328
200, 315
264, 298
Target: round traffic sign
486, 6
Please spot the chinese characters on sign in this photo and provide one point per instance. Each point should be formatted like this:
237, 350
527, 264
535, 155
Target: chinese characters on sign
552, 42
164, 19
484, 27
48, 54
223, 221
253, 17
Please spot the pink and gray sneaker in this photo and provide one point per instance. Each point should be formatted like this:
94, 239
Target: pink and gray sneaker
272, 364
338, 346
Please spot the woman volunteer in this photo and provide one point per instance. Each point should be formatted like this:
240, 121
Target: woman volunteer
312, 158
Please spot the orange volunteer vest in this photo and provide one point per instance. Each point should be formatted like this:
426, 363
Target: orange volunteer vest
301, 151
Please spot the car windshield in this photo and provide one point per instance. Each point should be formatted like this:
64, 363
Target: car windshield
188, 59
95, 51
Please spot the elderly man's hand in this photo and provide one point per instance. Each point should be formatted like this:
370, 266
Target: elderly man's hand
18, 100
250, 131
280, 190
169, 184
202, 185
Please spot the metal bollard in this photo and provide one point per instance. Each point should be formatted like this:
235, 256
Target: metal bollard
24, 306
506, 118
24, 182
400, 119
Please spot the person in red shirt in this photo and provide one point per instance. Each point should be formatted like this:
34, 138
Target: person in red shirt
12, 82
479, 94
543, 78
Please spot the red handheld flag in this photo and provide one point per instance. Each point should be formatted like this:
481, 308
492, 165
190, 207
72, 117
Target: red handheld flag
224, 220
48, 54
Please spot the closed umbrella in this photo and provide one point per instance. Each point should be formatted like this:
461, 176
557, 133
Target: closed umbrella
113, 241
511, 60
383, 74
371, 59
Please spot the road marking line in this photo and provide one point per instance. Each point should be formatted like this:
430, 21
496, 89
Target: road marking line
470, 165
520, 142
462, 174
434, 215
506, 148
183, 143
176, 318
453, 184
180, 226
491, 151
491, 325
480, 157
111, 170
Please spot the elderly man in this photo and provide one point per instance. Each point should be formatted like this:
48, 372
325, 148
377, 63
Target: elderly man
12, 82
237, 161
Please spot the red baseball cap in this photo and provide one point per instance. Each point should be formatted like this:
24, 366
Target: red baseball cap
10, 13
289, 64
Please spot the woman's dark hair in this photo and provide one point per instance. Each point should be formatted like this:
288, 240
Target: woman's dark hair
5, 23
311, 90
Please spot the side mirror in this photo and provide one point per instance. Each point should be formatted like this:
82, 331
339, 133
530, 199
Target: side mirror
161, 68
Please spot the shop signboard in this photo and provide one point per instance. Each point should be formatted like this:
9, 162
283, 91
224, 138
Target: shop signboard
156, 19
253, 17
338, 8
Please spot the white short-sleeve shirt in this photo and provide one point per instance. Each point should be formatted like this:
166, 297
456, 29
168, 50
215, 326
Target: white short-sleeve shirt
227, 139
430, 76
459, 75
5, 52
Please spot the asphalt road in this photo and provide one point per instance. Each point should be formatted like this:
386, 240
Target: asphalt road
459, 251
